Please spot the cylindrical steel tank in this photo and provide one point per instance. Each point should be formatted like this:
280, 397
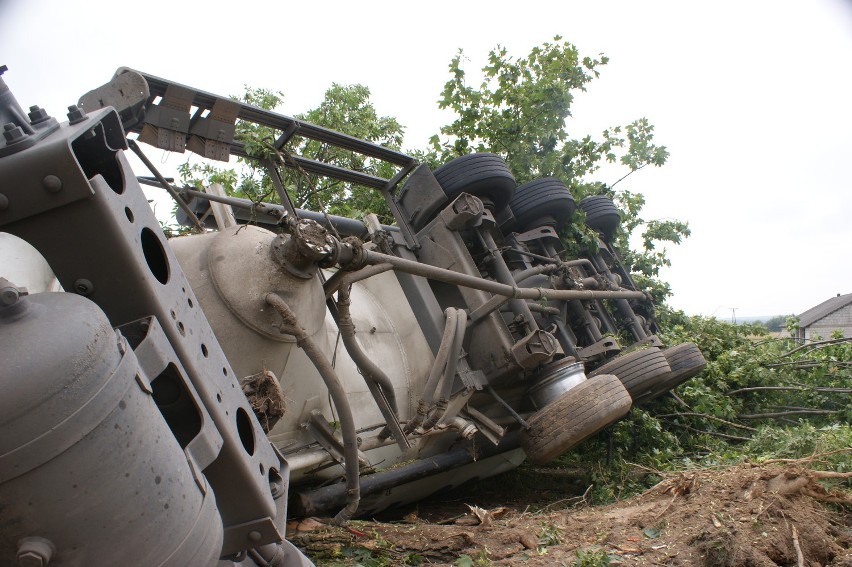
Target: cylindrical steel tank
231, 272
90, 473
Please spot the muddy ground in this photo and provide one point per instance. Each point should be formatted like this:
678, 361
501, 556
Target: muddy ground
772, 514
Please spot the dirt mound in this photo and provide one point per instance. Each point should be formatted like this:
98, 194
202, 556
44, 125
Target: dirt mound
746, 515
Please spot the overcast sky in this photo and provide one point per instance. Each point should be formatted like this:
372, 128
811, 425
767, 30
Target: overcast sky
752, 99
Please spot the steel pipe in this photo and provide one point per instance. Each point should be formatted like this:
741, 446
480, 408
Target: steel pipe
473, 282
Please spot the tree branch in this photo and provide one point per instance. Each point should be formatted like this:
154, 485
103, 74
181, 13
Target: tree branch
786, 413
711, 417
713, 433
791, 388
819, 344
629, 173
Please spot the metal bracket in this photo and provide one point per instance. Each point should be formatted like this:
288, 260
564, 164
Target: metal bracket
604, 346
324, 435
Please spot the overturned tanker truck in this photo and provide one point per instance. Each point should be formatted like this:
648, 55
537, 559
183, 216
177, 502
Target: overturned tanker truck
174, 397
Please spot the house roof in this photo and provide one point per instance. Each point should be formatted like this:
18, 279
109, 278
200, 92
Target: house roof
814, 314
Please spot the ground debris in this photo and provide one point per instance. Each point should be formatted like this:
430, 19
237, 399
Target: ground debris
760, 515
266, 398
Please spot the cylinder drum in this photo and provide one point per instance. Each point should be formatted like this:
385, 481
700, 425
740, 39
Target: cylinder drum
87, 461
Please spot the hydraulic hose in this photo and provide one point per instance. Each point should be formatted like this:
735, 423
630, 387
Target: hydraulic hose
449, 373
378, 383
368, 368
428, 395
338, 396
534, 271
336, 280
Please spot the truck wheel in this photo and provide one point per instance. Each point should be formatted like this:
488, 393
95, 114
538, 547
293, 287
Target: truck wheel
484, 175
640, 371
575, 416
686, 361
545, 201
601, 215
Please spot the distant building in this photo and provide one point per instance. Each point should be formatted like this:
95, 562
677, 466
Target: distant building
827, 317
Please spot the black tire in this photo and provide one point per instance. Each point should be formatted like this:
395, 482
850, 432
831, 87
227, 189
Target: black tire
542, 202
640, 371
686, 361
484, 175
601, 215
575, 416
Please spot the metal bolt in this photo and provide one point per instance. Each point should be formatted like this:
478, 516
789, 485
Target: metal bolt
75, 114
276, 489
30, 559
9, 296
13, 133
254, 535
4, 202
84, 286
38, 115
51, 183
35, 552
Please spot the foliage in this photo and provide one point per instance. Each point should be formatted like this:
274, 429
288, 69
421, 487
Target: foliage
519, 111
550, 535
346, 109
480, 559
832, 443
734, 409
591, 558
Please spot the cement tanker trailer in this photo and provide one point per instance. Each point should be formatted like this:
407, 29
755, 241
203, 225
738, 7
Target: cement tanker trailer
171, 400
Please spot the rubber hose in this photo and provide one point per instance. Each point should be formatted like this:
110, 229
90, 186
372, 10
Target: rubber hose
448, 378
369, 370
338, 396
425, 403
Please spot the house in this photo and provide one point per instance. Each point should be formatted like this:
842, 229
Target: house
827, 317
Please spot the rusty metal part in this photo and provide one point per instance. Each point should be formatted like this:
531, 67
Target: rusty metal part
535, 349
299, 251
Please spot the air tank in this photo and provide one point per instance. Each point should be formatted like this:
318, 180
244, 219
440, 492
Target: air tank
90, 473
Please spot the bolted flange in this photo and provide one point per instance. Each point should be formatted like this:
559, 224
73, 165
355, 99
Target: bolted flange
13, 133
37, 114
76, 114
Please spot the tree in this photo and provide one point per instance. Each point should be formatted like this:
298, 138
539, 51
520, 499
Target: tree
346, 109
777, 323
519, 111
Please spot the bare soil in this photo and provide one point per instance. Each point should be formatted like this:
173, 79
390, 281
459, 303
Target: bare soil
772, 514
